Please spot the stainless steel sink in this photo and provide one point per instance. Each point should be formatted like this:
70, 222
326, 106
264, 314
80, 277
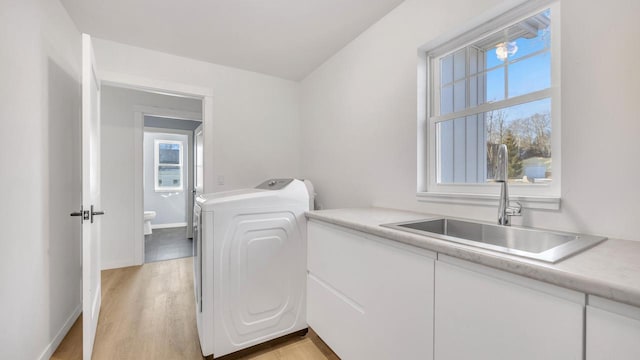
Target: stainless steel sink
549, 246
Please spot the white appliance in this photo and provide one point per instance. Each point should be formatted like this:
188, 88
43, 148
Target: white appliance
250, 260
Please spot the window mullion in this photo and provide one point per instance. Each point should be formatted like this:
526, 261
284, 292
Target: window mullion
467, 80
538, 95
506, 67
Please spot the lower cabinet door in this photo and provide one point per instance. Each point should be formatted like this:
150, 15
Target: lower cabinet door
483, 313
338, 320
613, 330
369, 298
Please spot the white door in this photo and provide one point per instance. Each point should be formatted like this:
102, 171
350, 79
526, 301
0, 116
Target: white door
483, 313
613, 330
191, 194
197, 171
91, 289
198, 144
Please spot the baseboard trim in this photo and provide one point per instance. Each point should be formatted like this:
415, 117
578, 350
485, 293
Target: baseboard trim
167, 226
118, 264
324, 348
53, 345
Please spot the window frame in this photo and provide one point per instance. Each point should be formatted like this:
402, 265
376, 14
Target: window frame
157, 164
544, 196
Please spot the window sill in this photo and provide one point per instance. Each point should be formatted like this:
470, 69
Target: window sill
168, 190
529, 202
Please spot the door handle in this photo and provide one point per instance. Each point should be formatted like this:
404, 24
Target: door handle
94, 213
84, 214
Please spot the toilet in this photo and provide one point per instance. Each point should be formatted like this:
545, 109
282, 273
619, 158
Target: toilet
148, 216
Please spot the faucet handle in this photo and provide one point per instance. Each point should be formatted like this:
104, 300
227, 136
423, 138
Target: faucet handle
514, 210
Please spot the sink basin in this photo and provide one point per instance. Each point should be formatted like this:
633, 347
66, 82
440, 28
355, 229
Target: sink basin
549, 246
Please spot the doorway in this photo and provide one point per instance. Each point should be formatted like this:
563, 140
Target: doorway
126, 114
168, 183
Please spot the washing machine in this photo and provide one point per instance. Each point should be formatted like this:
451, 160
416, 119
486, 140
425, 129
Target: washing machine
250, 260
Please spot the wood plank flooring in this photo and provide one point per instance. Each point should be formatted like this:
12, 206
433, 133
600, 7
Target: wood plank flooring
148, 312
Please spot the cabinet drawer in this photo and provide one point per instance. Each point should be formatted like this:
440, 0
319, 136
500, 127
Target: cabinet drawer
479, 316
613, 330
336, 319
368, 297
335, 257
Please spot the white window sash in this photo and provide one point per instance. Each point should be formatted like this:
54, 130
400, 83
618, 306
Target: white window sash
157, 165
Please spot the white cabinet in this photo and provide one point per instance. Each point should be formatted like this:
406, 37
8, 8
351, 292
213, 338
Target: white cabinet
483, 313
613, 330
368, 297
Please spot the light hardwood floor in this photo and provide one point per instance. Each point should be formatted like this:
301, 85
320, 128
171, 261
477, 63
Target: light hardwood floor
148, 313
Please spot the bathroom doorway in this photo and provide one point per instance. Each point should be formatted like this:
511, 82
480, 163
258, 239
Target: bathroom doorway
125, 114
168, 181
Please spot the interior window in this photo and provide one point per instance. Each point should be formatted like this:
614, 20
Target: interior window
168, 165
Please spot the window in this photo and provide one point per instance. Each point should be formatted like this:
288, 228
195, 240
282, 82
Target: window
168, 165
497, 84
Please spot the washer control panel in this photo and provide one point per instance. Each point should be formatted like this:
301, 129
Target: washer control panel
274, 184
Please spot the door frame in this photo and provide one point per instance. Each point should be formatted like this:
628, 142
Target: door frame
165, 88
139, 177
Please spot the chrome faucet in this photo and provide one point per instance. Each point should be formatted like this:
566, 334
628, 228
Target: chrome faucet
505, 211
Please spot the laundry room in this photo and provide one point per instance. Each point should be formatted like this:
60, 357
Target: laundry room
319, 180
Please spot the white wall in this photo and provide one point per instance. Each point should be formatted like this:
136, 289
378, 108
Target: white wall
170, 207
40, 259
118, 149
256, 122
359, 116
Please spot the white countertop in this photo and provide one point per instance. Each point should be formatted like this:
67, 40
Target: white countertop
610, 269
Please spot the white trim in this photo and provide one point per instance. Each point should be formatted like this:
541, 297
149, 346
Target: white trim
197, 186
167, 226
154, 85
64, 330
529, 202
208, 145
150, 129
138, 187
482, 25
119, 264
556, 99
423, 126
163, 112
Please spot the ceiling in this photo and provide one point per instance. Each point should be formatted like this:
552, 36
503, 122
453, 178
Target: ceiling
284, 38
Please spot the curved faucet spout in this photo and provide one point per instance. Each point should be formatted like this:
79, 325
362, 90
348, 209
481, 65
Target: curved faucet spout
505, 211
